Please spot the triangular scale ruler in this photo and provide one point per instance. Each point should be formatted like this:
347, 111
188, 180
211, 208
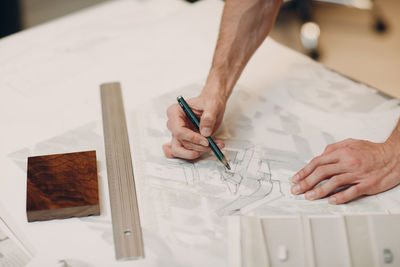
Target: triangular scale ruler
127, 231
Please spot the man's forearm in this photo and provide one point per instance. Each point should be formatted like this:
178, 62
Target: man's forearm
244, 26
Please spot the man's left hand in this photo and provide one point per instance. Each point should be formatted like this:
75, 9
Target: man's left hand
367, 168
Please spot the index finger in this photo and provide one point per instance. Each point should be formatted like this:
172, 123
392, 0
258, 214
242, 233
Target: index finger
332, 147
180, 130
179, 151
313, 164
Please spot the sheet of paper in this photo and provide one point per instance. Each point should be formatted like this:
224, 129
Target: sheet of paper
330, 241
267, 141
270, 133
15, 250
184, 204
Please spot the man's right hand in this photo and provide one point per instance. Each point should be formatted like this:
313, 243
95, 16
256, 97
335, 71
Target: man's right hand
244, 26
187, 142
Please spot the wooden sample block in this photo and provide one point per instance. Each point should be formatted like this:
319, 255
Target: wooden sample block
62, 186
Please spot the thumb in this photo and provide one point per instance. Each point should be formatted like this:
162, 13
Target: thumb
207, 120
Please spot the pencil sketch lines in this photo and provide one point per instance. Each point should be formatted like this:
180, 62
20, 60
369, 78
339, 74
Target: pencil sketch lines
191, 173
252, 180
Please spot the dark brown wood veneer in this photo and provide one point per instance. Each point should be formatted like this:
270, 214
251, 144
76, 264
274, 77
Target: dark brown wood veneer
62, 186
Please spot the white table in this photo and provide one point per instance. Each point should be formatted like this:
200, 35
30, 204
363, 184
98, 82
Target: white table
50, 77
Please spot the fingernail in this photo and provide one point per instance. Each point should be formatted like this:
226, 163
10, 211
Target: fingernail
310, 195
332, 200
205, 131
220, 145
296, 189
203, 143
295, 178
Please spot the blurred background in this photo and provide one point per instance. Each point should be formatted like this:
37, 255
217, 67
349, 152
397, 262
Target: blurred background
359, 38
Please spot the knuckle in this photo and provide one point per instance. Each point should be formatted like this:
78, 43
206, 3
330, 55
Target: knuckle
319, 191
321, 171
339, 198
174, 150
207, 120
193, 138
338, 180
178, 134
304, 185
355, 190
315, 160
199, 149
186, 145
346, 150
306, 170
193, 147
313, 163
302, 172
193, 154
329, 148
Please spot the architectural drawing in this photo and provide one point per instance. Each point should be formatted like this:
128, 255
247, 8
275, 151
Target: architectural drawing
335, 104
265, 144
253, 179
269, 135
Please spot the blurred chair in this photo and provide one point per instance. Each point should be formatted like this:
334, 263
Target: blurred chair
310, 31
10, 21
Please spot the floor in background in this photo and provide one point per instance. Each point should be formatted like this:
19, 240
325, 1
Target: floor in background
348, 42
35, 12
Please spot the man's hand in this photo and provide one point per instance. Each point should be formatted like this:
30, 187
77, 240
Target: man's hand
187, 142
367, 168
244, 26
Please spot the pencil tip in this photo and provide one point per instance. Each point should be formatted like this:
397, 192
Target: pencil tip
228, 166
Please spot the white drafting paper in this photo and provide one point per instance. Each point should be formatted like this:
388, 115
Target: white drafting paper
15, 251
10, 253
367, 240
266, 145
184, 205
270, 134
